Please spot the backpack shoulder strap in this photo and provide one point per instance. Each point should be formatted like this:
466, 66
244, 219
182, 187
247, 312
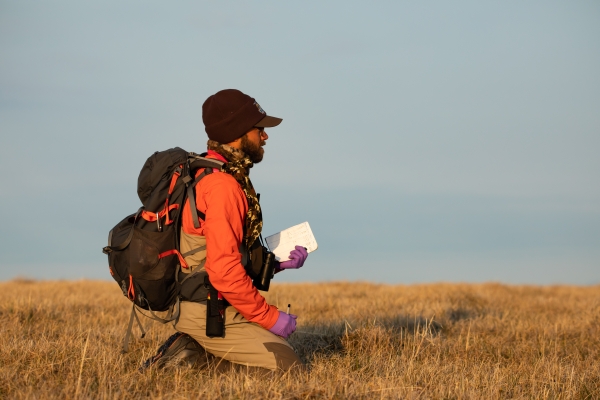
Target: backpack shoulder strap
197, 162
208, 165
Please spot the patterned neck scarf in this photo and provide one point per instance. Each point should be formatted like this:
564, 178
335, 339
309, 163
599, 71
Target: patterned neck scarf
238, 165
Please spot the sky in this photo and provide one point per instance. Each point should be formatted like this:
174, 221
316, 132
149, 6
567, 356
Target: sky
423, 141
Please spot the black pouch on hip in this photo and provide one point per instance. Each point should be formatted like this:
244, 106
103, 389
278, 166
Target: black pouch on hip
267, 271
215, 311
259, 264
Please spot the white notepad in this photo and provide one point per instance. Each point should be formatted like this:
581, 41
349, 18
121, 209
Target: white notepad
285, 241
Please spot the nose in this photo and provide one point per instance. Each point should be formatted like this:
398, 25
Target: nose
263, 135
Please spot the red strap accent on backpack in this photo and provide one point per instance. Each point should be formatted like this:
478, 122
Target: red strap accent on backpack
151, 217
176, 175
131, 290
170, 253
168, 220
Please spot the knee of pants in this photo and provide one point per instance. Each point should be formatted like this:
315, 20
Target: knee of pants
285, 357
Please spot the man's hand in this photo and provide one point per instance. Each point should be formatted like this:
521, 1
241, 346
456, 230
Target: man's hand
285, 325
297, 258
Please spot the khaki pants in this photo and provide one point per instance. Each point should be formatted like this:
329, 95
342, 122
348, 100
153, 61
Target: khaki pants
244, 343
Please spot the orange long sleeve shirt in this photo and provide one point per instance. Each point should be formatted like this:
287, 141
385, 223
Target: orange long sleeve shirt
220, 197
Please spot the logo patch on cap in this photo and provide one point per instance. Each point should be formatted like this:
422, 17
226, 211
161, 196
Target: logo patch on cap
260, 110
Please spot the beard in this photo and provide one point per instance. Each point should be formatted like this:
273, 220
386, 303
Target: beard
253, 151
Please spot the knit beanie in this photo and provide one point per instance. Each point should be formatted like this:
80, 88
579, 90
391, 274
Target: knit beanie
229, 114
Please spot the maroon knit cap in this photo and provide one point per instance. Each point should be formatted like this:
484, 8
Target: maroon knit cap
229, 114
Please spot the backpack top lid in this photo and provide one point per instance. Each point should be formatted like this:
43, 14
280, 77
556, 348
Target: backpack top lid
159, 167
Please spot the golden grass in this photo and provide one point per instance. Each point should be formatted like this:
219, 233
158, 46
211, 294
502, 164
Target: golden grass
436, 341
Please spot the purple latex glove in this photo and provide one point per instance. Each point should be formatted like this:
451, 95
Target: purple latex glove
297, 258
285, 325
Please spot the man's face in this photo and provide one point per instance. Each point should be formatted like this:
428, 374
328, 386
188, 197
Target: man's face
252, 143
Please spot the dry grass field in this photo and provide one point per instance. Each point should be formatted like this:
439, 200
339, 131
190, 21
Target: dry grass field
437, 341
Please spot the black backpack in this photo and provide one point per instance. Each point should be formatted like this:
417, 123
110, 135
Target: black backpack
143, 249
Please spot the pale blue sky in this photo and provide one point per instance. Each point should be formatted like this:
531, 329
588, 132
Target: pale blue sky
423, 141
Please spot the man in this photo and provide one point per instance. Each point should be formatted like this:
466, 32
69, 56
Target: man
255, 331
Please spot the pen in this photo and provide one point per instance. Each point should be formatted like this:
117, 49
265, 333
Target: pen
288, 310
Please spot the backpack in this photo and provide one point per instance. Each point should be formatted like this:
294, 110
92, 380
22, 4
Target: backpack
143, 248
